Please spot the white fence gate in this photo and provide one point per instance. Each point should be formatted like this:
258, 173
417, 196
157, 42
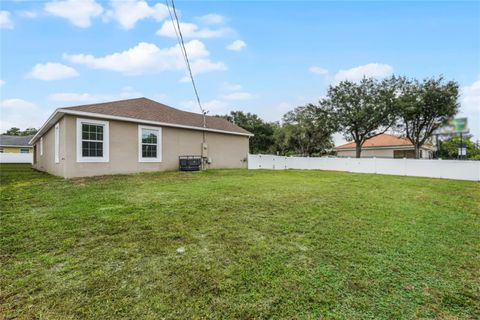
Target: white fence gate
447, 169
16, 157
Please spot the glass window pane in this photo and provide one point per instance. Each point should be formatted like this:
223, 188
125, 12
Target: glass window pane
92, 149
149, 136
92, 132
149, 151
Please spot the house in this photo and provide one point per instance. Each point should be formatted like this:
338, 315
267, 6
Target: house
15, 144
135, 135
385, 146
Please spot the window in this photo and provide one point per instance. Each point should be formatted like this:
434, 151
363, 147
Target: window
92, 140
149, 144
57, 143
24, 150
41, 146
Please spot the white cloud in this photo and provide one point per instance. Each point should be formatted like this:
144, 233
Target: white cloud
147, 58
230, 87
126, 93
128, 12
203, 66
210, 105
376, 70
5, 21
75, 97
78, 12
52, 71
28, 14
2, 82
318, 71
21, 114
212, 18
191, 30
236, 45
238, 96
471, 97
16, 104
470, 107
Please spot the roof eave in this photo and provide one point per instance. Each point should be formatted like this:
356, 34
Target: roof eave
56, 115
60, 112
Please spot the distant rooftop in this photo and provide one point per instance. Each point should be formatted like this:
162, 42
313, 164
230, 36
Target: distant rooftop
16, 141
382, 140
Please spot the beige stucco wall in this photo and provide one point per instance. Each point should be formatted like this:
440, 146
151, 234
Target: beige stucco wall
379, 153
383, 153
46, 162
225, 151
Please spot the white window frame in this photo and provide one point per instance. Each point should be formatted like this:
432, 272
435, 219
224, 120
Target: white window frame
159, 144
106, 140
41, 146
57, 143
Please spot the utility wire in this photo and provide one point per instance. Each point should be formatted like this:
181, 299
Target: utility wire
178, 33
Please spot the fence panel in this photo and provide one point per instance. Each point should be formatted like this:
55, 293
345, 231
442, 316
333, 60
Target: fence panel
447, 169
16, 157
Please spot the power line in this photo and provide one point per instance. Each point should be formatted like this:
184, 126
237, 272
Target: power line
178, 33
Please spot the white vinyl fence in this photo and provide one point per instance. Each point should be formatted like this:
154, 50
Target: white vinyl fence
447, 169
16, 157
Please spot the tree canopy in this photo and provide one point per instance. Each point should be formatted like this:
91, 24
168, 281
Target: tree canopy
307, 131
263, 139
17, 132
449, 148
424, 106
362, 109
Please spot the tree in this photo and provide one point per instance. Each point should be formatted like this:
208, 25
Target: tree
29, 131
362, 110
17, 132
425, 106
449, 148
307, 130
13, 131
263, 139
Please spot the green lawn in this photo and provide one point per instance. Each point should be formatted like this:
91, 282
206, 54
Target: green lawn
258, 244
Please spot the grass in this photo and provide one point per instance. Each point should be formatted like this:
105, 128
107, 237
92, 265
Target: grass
258, 244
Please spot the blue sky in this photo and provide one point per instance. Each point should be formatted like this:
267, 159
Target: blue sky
262, 57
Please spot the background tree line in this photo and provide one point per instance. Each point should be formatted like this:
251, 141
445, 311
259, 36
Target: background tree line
360, 110
14, 131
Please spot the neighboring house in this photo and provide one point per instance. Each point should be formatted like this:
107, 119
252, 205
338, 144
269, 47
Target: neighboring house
385, 146
15, 144
134, 135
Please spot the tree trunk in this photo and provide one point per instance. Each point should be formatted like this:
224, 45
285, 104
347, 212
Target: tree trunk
417, 151
358, 150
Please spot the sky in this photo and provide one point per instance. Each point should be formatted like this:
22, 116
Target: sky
265, 57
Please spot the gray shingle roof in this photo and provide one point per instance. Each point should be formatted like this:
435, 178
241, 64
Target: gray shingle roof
146, 109
6, 140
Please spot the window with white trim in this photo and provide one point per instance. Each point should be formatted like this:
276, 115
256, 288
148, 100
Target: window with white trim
149, 144
41, 146
92, 140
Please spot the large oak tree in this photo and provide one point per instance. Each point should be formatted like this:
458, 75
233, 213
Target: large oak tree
363, 109
424, 106
307, 131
